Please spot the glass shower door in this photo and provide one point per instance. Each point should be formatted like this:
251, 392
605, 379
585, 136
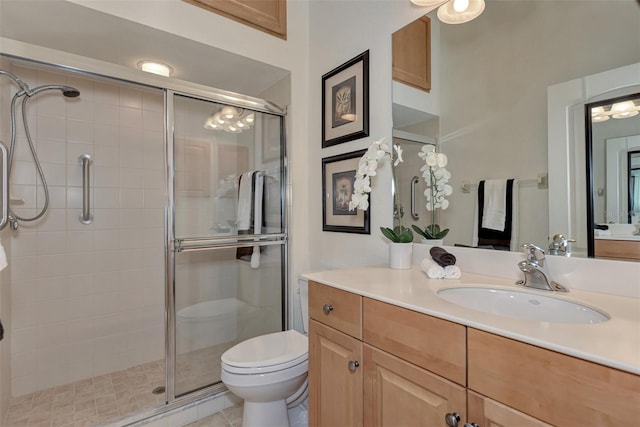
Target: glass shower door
228, 233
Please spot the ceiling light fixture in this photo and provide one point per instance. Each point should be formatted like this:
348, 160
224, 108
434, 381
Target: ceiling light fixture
619, 110
460, 11
623, 110
230, 119
427, 3
155, 67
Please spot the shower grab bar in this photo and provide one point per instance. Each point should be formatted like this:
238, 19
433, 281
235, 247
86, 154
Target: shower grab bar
86, 217
414, 213
207, 247
5, 186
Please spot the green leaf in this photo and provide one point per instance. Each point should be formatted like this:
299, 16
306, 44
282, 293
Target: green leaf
419, 231
398, 234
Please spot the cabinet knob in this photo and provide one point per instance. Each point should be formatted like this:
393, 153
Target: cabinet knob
353, 365
327, 308
452, 419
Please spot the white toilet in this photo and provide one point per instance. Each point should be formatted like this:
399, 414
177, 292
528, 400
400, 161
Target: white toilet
270, 372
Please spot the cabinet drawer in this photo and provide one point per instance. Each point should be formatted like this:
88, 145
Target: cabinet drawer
345, 312
559, 389
618, 249
434, 344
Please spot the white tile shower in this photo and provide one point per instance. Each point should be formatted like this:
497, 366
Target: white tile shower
88, 300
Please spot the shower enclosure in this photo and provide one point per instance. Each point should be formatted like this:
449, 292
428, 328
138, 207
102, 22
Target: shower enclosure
146, 264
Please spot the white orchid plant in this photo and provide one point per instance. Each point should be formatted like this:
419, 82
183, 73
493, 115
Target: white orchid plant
436, 177
367, 167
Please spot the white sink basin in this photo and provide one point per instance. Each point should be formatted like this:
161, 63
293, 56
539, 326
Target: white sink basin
523, 305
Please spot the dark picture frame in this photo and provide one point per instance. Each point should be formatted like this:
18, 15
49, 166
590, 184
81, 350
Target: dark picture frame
338, 177
345, 102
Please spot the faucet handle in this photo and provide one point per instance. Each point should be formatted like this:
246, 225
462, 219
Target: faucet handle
533, 252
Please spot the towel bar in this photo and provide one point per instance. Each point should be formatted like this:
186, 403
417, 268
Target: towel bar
542, 181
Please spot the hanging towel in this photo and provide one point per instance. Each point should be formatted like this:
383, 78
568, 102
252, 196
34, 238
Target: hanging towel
245, 201
507, 238
250, 213
495, 204
3, 258
257, 215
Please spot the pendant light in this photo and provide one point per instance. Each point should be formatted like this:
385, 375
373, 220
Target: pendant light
460, 11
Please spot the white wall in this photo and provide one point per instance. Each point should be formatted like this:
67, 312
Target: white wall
494, 73
340, 30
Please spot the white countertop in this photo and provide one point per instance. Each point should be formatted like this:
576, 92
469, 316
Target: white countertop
614, 343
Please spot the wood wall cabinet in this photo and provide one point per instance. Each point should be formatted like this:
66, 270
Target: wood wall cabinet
269, 16
617, 249
412, 54
413, 369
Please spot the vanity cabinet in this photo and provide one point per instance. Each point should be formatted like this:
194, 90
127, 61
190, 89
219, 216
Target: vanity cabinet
368, 363
559, 389
376, 364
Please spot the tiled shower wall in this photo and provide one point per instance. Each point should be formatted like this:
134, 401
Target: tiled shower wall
88, 299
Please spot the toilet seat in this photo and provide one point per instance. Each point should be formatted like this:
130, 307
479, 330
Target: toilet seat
267, 353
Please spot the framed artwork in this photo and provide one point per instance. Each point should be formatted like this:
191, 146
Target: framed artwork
345, 102
338, 176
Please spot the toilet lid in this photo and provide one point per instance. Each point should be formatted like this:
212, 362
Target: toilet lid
271, 350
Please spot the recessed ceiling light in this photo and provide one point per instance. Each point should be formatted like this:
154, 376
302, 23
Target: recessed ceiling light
155, 68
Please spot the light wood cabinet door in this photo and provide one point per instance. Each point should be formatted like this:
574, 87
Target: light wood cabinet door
489, 413
412, 54
335, 391
398, 393
559, 389
269, 16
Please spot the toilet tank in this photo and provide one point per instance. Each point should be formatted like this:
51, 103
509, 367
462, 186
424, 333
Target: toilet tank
303, 285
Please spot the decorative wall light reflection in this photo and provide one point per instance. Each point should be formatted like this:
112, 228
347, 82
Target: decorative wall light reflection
231, 119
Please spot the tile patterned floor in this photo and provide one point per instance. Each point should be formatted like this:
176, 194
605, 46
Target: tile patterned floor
230, 417
113, 396
89, 402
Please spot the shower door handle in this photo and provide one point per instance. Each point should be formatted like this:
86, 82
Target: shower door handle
5, 186
86, 217
414, 213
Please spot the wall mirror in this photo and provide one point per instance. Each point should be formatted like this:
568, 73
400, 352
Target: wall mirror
613, 174
489, 88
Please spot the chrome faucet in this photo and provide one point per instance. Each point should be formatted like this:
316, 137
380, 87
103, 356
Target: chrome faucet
536, 273
560, 245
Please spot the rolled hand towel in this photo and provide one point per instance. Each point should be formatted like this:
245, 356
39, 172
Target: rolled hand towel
442, 257
433, 270
452, 272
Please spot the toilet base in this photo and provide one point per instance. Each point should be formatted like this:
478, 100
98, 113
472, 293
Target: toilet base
263, 414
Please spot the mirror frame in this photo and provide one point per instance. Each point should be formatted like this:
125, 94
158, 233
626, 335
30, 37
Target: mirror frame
589, 164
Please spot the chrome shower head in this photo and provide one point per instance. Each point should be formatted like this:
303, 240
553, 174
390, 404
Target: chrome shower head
68, 91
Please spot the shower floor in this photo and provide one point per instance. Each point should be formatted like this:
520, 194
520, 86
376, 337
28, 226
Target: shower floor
113, 396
